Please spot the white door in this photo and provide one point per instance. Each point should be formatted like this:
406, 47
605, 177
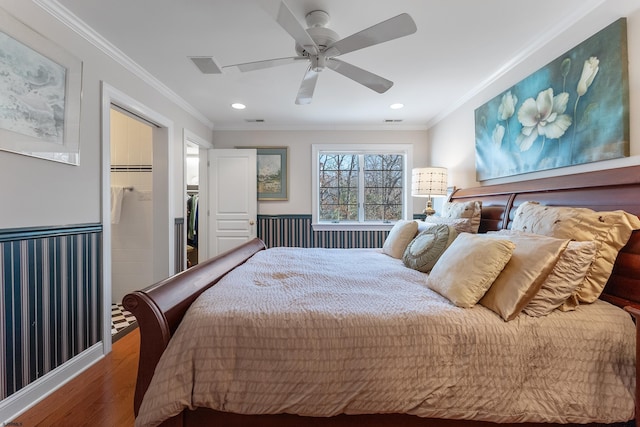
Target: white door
232, 198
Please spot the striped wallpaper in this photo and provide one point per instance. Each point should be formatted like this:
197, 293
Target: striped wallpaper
50, 299
180, 245
296, 231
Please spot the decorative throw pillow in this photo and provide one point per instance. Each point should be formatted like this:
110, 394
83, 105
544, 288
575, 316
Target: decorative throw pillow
564, 279
468, 267
399, 237
427, 247
533, 259
470, 209
463, 216
609, 230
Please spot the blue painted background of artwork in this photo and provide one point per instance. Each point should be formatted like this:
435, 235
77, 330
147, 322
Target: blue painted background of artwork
574, 110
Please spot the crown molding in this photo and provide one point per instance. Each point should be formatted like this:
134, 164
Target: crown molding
64, 15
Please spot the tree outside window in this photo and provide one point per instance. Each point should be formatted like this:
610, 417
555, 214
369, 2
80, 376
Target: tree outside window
360, 187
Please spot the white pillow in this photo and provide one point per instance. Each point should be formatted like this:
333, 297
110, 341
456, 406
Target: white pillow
468, 267
463, 216
399, 237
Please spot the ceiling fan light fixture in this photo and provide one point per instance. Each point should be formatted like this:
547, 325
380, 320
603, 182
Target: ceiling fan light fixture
238, 106
396, 106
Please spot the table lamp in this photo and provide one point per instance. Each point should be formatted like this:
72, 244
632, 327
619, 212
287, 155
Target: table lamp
428, 182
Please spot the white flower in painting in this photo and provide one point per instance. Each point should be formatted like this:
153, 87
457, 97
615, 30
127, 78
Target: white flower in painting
507, 106
498, 135
544, 117
589, 71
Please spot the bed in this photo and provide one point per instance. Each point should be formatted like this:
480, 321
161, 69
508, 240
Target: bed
161, 308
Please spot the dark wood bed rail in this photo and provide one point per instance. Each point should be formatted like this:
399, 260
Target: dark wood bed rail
160, 308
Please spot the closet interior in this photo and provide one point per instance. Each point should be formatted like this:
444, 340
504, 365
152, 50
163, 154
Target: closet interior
191, 221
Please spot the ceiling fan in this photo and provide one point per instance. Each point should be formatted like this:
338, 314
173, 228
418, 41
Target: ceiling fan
320, 46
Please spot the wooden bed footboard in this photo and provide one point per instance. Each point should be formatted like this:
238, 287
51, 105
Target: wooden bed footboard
159, 309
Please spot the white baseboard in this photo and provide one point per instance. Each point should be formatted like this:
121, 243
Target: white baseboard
25, 398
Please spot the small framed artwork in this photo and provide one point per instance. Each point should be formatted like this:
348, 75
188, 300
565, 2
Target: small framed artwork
40, 93
273, 173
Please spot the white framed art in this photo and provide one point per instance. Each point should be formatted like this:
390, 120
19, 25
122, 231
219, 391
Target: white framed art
40, 94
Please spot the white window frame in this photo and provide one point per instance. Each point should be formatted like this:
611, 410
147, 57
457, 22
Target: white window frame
407, 201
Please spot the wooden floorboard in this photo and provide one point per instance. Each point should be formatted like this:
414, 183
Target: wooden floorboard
102, 396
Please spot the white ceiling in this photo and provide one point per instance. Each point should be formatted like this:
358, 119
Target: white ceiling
460, 45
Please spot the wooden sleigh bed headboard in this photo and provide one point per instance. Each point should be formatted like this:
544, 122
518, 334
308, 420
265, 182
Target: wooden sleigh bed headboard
601, 191
160, 308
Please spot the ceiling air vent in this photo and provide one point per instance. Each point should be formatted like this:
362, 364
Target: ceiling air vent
206, 64
254, 120
392, 120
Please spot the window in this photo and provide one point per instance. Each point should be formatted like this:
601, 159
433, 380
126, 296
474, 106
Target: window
360, 186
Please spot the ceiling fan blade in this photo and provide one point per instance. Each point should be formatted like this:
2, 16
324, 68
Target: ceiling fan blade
267, 63
357, 74
393, 28
288, 21
308, 85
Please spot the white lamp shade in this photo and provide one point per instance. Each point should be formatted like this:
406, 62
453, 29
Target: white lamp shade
430, 181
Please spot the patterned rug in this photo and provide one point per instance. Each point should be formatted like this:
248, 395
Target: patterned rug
121, 319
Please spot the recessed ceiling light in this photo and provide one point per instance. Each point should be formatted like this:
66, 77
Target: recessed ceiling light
238, 106
396, 106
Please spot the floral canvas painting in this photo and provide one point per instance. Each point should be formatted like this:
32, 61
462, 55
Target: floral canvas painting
574, 110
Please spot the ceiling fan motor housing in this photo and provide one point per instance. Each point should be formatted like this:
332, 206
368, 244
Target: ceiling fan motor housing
321, 35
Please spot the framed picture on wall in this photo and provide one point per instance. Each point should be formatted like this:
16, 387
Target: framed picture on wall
572, 111
273, 172
40, 93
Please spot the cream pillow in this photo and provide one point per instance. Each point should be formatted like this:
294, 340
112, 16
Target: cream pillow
609, 230
533, 259
426, 248
463, 216
399, 237
471, 209
564, 279
468, 267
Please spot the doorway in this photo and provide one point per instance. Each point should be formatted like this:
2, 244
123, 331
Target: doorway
162, 253
195, 184
131, 146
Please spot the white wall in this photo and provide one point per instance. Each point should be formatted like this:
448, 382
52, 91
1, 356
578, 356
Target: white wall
44, 193
41, 193
299, 143
452, 140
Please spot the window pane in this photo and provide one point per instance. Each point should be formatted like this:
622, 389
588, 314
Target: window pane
373, 213
330, 178
373, 162
338, 187
339, 176
383, 187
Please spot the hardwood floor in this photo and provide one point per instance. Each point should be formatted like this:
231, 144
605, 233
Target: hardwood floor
102, 396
